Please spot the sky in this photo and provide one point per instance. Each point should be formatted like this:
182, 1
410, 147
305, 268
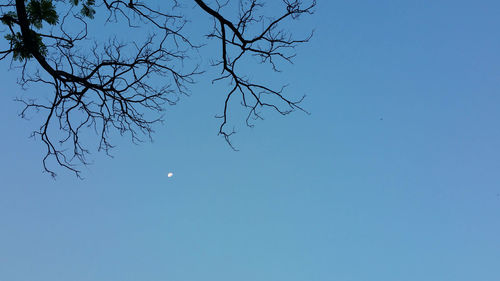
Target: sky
395, 174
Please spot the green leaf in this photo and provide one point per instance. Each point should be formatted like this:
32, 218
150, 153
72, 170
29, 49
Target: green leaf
20, 50
87, 7
41, 10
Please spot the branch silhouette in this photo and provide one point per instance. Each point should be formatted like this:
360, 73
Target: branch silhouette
110, 88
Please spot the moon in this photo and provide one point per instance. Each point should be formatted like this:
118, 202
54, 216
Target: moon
170, 174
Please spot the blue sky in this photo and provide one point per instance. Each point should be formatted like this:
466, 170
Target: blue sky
394, 175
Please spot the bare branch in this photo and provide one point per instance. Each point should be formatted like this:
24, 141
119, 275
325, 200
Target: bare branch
269, 45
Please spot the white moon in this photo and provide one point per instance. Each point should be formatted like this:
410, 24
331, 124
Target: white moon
170, 174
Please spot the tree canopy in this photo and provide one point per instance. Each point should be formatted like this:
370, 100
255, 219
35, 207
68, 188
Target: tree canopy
107, 85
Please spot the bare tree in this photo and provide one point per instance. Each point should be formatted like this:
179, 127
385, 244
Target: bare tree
109, 87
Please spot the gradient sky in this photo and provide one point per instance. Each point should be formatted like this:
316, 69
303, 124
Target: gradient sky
394, 176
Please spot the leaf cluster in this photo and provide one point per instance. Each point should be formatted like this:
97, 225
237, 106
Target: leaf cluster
38, 12
41, 10
87, 7
20, 50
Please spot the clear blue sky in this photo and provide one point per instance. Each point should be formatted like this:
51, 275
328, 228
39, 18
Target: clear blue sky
338, 195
